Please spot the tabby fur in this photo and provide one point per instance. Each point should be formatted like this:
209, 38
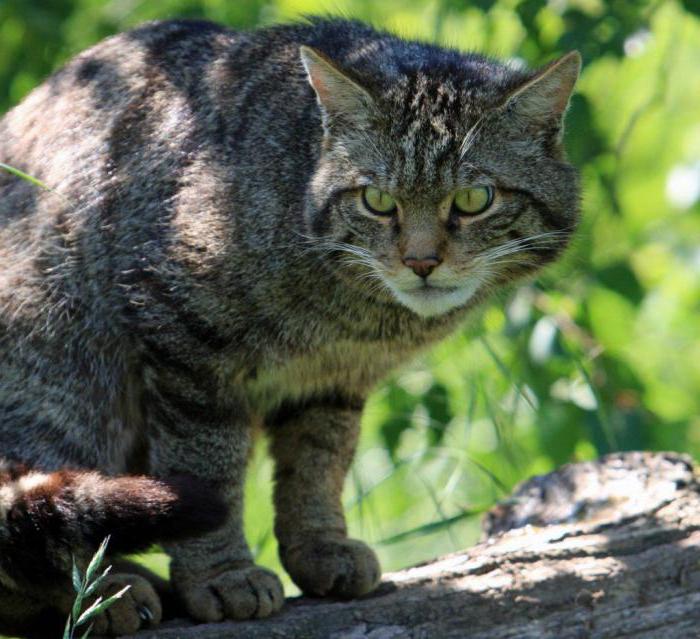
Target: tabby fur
203, 264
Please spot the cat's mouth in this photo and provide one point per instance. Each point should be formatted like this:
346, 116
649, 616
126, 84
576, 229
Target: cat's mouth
428, 290
428, 300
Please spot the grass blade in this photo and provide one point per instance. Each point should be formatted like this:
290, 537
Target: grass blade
94, 585
87, 632
67, 632
24, 176
603, 416
99, 605
77, 605
432, 527
77, 579
437, 504
96, 560
500, 364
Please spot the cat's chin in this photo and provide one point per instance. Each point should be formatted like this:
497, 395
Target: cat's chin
430, 301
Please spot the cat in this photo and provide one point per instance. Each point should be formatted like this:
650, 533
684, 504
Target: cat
243, 229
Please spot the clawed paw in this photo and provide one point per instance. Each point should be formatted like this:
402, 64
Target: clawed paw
245, 593
138, 608
342, 568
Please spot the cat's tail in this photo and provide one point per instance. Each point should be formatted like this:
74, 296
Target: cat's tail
46, 519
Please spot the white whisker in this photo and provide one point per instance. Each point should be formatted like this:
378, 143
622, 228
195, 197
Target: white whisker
470, 138
531, 243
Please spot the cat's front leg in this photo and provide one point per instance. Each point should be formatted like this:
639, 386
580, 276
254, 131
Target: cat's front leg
313, 449
214, 575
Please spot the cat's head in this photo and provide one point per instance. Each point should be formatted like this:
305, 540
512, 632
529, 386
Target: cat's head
441, 180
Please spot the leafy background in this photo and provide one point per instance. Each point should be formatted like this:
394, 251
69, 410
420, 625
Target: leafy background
602, 353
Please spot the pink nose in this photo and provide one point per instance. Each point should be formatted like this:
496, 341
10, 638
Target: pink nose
424, 266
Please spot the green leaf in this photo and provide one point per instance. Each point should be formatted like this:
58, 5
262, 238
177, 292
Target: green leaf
436, 402
95, 584
580, 117
527, 11
99, 605
96, 560
692, 6
77, 579
67, 631
89, 612
402, 405
612, 318
619, 277
77, 605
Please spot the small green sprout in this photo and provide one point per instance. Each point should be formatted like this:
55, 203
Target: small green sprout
84, 587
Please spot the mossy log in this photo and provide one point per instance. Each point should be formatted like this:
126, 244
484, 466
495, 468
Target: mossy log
594, 550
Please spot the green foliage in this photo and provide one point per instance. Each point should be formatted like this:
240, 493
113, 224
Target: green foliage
601, 353
84, 587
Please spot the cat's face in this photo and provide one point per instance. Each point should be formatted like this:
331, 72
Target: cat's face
433, 190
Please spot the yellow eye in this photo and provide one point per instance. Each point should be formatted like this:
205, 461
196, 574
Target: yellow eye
378, 202
474, 200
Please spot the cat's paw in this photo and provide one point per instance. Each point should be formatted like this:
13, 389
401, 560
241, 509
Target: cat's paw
138, 608
333, 567
244, 593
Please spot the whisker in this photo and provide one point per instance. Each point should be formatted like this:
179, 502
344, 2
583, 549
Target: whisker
532, 242
470, 138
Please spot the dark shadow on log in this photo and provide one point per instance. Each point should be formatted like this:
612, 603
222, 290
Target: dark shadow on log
594, 550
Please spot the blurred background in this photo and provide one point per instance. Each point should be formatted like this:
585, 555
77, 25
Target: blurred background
602, 353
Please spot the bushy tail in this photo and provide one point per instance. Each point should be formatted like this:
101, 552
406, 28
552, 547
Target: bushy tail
48, 518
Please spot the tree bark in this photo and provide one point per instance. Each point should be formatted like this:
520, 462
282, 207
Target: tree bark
594, 550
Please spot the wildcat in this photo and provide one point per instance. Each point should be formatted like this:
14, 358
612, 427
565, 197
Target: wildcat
244, 229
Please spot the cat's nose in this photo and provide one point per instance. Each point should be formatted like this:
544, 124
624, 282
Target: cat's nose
423, 266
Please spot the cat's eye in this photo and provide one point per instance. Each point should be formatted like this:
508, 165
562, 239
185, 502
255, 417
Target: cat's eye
473, 200
378, 202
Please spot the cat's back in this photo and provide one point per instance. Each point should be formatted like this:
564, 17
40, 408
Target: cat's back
151, 100
87, 109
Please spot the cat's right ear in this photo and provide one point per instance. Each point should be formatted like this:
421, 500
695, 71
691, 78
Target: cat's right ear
339, 96
545, 96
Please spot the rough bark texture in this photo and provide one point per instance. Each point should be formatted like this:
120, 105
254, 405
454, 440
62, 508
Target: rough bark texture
593, 550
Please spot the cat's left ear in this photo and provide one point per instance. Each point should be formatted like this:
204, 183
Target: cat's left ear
339, 96
543, 99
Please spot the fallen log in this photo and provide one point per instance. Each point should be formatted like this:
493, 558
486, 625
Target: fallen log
594, 550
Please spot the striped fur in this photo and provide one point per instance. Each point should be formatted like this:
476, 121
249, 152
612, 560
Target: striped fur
203, 264
50, 520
